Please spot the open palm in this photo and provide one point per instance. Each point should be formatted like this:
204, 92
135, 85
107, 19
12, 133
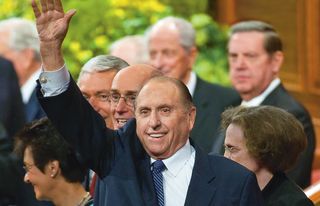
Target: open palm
52, 23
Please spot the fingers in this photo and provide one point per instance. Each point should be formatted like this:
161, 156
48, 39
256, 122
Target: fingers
43, 5
35, 8
50, 5
46, 5
58, 5
70, 14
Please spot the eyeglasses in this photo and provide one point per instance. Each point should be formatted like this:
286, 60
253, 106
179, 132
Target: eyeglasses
231, 149
28, 167
129, 98
102, 97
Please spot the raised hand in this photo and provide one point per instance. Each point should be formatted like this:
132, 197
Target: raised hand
52, 25
52, 22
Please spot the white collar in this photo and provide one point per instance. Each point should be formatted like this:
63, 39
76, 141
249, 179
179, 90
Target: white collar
176, 162
192, 83
28, 87
256, 101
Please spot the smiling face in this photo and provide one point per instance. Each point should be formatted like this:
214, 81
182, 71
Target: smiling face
236, 149
163, 121
42, 182
251, 67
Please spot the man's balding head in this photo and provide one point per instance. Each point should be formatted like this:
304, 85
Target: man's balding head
125, 86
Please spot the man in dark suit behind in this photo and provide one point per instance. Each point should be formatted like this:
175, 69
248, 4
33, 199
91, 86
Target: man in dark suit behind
255, 58
13, 191
124, 159
172, 50
11, 106
19, 40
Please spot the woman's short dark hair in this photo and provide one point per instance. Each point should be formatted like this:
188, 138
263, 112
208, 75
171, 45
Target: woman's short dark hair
47, 145
274, 137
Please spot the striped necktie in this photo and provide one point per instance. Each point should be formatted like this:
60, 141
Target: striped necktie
157, 168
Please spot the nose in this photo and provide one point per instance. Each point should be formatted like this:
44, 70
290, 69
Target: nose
121, 106
26, 178
154, 121
157, 61
240, 62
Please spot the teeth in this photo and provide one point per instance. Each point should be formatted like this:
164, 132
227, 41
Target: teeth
122, 122
156, 135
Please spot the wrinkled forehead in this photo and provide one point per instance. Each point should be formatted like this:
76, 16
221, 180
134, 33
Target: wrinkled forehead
159, 91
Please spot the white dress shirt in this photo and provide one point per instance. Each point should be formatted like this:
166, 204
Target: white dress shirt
29, 86
192, 83
256, 101
177, 176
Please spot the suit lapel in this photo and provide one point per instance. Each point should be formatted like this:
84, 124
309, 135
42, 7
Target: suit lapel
145, 178
201, 102
274, 96
202, 181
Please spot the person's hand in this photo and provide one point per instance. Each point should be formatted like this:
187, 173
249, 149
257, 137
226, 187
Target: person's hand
52, 25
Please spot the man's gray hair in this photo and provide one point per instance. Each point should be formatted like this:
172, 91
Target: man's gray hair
272, 41
22, 35
103, 63
186, 31
140, 54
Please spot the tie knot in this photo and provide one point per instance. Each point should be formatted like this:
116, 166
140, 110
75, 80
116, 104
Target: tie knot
158, 166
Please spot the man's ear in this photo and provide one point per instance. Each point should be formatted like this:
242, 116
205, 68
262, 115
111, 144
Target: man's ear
277, 59
192, 116
193, 53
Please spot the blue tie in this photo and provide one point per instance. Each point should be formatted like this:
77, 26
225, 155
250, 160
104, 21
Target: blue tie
157, 168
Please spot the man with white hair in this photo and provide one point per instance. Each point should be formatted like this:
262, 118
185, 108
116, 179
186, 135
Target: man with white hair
19, 43
95, 81
132, 49
172, 50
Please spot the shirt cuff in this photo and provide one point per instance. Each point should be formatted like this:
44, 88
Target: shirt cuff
54, 82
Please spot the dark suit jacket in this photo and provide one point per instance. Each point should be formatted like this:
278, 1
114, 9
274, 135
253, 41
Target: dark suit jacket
11, 107
301, 173
281, 191
123, 165
33, 108
211, 100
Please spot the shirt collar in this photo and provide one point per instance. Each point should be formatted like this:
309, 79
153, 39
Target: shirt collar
256, 101
176, 162
192, 83
28, 87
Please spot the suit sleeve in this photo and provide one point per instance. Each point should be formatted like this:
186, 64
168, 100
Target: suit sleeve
251, 194
301, 172
81, 126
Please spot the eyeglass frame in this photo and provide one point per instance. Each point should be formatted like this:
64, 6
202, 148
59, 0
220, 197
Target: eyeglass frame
28, 167
126, 97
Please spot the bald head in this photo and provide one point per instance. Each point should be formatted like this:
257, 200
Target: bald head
133, 77
125, 86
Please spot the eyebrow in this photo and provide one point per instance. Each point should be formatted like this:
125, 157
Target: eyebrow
127, 92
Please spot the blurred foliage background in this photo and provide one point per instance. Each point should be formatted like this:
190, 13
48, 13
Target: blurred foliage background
100, 22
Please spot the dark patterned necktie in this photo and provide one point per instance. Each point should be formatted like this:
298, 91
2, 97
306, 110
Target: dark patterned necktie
157, 176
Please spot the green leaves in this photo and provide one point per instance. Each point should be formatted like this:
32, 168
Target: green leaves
100, 22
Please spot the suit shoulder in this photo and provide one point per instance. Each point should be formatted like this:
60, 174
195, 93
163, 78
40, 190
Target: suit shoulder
283, 99
221, 164
212, 91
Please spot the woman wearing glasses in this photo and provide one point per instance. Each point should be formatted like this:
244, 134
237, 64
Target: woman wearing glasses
52, 167
268, 141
